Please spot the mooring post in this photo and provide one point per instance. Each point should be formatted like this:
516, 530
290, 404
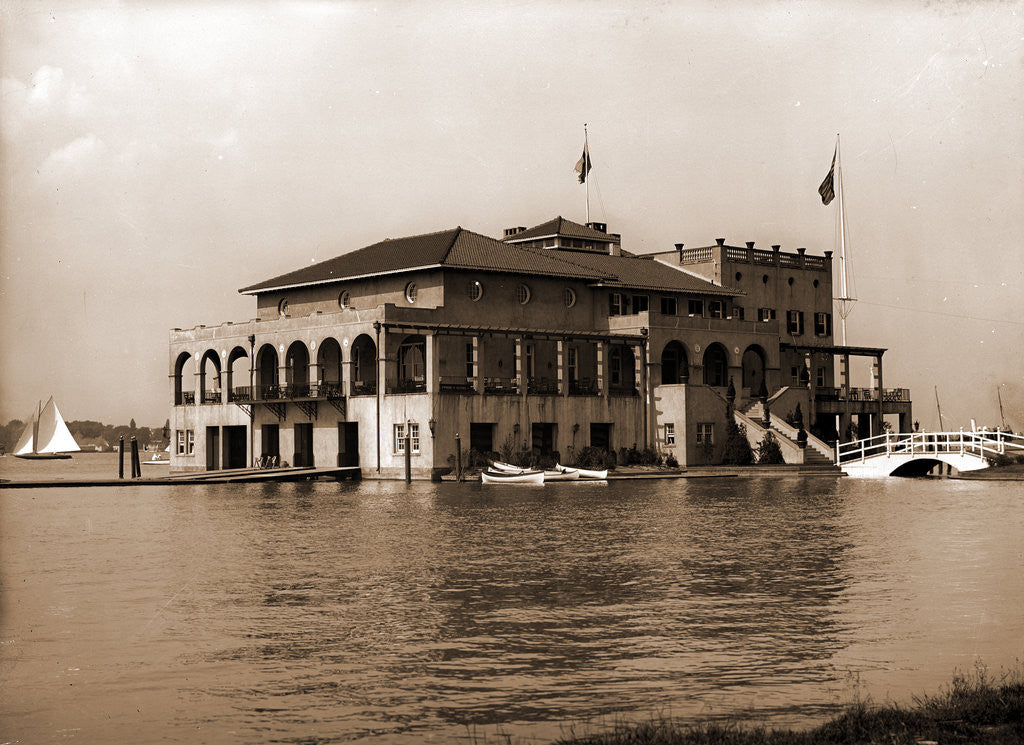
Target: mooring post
136, 466
408, 453
458, 457
120, 458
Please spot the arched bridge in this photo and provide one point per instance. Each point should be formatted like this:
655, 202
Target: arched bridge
915, 454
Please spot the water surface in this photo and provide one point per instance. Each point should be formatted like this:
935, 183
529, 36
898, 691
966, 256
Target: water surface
381, 612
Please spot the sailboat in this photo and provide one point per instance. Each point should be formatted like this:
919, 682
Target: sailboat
46, 436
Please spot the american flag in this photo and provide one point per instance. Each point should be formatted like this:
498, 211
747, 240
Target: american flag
827, 188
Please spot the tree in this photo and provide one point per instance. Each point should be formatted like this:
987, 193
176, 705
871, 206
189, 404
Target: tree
737, 449
768, 451
131, 424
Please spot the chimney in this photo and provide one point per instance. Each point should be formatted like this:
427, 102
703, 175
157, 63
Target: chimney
720, 241
679, 248
509, 232
600, 227
615, 249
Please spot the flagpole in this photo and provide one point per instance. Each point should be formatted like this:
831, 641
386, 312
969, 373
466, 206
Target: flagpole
842, 240
586, 157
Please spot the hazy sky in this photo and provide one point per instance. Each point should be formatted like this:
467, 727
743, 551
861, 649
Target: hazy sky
157, 156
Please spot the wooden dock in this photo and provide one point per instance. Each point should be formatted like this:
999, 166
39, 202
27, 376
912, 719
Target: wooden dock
227, 476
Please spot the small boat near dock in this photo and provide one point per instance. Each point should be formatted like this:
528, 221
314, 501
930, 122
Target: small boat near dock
521, 476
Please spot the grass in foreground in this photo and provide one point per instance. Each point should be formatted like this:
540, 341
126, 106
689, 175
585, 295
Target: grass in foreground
973, 709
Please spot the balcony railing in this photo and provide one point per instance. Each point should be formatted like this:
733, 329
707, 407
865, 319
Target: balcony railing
622, 390
364, 388
583, 387
899, 395
456, 384
542, 386
407, 386
291, 391
211, 397
188, 398
501, 386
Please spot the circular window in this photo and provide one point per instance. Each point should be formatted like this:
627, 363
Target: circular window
523, 294
570, 297
282, 308
345, 299
476, 291
739, 276
410, 292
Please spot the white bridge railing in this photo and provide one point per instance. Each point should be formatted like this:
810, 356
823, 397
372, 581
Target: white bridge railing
982, 444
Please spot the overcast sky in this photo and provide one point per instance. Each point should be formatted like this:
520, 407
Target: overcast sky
157, 156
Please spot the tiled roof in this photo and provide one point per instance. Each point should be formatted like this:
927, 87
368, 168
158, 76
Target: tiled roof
563, 227
456, 248
647, 274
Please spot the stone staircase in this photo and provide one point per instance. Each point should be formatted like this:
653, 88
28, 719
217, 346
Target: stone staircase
813, 455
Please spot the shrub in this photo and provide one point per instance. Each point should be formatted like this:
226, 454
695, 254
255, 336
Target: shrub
768, 451
737, 449
670, 461
594, 459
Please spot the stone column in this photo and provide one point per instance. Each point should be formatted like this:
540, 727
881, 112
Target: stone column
478, 366
433, 371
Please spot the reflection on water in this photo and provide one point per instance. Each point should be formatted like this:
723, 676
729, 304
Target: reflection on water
382, 612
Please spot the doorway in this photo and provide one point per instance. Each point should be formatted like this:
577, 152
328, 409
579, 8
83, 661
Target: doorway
348, 443
212, 448
303, 445
235, 446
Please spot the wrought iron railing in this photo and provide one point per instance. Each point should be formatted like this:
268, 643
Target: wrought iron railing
583, 387
188, 398
407, 386
501, 386
364, 388
456, 384
211, 397
541, 386
828, 393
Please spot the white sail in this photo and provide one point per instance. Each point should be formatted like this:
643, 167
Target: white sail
26, 441
53, 434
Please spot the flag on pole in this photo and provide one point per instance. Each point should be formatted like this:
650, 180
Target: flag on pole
827, 188
583, 165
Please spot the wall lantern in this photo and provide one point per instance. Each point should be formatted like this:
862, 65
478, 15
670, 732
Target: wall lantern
432, 423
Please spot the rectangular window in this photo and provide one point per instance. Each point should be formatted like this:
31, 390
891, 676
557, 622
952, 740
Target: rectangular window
670, 433
820, 377
706, 433
766, 314
414, 438
180, 435
737, 312
668, 306
822, 324
529, 360
795, 322
641, 304
794, 375
469, 359
190, 442
696, 308
715, 308
572, 360
615, 304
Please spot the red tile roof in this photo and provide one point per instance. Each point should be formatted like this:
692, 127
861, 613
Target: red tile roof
455, 248
561, 226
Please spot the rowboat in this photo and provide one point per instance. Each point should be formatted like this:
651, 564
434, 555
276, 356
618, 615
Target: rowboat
497, 465
562, 474
507, 477
585, 473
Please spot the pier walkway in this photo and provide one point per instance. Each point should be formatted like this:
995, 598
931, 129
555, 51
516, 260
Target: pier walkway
917, 453
236, 475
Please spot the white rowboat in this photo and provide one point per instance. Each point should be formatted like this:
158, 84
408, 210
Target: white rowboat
508, 477
586, 473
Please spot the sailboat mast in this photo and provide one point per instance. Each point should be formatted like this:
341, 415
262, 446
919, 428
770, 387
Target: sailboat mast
942, 427
999, 395
35, 428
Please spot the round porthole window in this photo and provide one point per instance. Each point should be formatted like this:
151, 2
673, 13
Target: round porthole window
476, 290
570, 297
282, 308
523, 294
345, 299
410, 292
